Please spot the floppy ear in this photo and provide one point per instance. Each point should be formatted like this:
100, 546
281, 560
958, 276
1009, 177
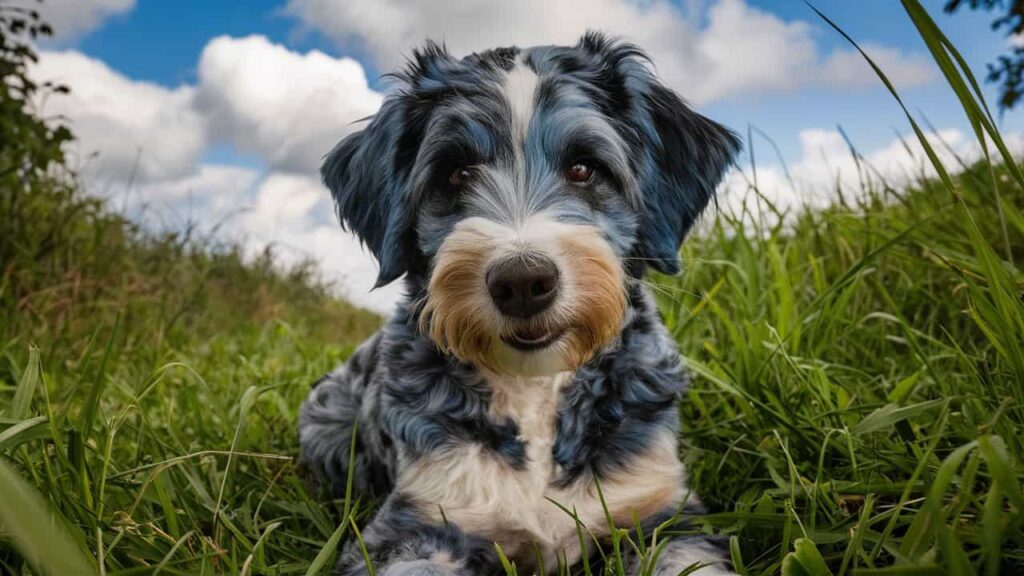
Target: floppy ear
368, 172
369, 191
687, 155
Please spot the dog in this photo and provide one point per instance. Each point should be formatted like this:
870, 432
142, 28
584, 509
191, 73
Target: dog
526, 386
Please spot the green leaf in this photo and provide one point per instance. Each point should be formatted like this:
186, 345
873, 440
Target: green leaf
1000, 465
892, 413
24, 431
362, 546
905, 387
38, 534
506, 564
26, 386
804, 560
99, 382
327, 551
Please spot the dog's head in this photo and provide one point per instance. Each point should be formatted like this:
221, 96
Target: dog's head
527, 187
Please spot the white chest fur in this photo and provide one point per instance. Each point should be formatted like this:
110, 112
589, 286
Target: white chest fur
483, 494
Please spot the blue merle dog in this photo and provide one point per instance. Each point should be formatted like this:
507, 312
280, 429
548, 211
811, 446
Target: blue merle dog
523, 193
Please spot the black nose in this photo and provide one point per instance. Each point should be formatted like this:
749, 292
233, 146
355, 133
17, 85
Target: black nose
523, 286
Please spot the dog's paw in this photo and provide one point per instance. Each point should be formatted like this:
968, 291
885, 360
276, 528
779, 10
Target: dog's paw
683, 554
418, 568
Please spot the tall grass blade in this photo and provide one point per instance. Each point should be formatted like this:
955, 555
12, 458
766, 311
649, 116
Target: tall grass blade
99, 382
27, 385
38, 533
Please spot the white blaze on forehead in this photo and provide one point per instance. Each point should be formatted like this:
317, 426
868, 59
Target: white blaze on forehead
521, 93
509, 196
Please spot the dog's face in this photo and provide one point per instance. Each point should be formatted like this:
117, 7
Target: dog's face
527, 187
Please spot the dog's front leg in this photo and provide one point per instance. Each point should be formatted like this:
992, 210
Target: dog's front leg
401, 542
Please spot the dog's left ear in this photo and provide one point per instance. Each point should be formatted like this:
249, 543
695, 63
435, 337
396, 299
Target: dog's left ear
687, 156
682, 155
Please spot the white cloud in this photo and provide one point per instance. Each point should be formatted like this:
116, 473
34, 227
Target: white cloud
288, 108
728, 49
294, 213
126, 129
72, 19
142, 146
214, 196
849, 69
825, 168
290, 212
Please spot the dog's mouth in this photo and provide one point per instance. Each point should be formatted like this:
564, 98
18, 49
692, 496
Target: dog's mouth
532, 339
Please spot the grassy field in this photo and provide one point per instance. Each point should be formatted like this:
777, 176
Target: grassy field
857, 404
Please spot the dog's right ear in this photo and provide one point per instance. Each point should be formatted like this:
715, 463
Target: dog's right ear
369, 191
369, 172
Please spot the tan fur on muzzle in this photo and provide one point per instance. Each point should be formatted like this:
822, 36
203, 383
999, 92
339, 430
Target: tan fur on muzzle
459, 317
599, 295
457, 314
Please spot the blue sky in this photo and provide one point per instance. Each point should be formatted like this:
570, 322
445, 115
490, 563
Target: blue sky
161, 42
212, 108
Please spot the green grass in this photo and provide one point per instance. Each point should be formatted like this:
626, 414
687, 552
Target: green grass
857, 404
148, 390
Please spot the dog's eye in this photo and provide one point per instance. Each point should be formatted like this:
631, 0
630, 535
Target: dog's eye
579, 173
460, 177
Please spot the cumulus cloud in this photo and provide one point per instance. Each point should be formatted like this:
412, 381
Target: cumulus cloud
844, 69
826, 168
728, 49
213, 196
126, 129
293, 212
71, 19
290, 212
288, 108
142, 146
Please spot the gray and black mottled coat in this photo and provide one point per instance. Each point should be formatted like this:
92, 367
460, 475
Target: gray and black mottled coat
413, 400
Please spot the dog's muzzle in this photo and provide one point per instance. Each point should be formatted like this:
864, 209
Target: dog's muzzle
535, 299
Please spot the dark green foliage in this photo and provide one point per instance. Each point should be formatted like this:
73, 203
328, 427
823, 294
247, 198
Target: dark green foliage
28, 145
1008, 69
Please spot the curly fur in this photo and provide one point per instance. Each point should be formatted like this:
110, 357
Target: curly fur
469, 440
